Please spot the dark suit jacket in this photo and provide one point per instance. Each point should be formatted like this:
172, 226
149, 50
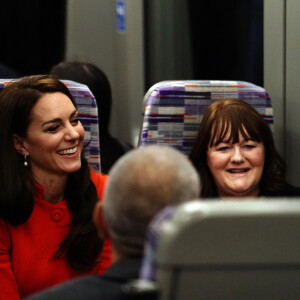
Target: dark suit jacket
107, 286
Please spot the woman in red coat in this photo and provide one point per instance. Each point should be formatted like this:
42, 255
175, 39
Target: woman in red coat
47, 192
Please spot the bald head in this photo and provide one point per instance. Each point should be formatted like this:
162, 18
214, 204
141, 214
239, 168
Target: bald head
142, 182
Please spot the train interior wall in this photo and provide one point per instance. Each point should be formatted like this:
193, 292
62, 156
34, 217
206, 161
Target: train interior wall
251, 40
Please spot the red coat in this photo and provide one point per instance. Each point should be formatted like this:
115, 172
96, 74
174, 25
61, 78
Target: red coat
26, 250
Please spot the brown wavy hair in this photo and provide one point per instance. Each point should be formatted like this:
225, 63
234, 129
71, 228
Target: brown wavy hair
82, 245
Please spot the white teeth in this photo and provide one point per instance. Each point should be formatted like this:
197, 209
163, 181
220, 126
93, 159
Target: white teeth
67, 152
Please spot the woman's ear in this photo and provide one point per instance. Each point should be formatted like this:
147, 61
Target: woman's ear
19, 145
99, 222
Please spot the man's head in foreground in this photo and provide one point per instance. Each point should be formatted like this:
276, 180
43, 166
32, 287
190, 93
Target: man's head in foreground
141, 183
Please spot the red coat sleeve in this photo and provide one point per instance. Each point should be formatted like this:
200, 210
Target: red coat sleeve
99, 181
105, 257
14, 248
9, 288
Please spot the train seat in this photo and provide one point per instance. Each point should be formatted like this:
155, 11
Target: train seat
173, 110
230, 250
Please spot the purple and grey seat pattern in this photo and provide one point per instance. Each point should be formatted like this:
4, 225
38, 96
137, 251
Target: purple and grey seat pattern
88, 116
174, 109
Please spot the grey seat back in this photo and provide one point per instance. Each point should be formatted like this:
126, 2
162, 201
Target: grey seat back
230, 250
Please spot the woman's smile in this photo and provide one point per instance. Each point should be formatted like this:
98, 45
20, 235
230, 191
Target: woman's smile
239, 171
68, 152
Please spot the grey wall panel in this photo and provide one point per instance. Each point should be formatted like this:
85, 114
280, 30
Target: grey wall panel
274, 65
282, 77
293, 90
92, 36
89, 35
128, 53
168, 41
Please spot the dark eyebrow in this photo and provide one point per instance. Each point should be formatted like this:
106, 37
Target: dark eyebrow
59, 119
75, 112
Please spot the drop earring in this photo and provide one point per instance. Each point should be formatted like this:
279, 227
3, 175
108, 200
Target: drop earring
25, 161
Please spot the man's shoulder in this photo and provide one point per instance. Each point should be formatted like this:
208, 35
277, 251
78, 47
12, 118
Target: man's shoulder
87, 287
107, 286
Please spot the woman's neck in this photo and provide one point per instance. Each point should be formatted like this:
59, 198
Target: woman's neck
53, 188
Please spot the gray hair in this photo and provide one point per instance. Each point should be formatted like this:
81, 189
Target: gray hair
142, 182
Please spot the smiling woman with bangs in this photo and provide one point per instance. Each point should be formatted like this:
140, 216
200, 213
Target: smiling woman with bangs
235, 155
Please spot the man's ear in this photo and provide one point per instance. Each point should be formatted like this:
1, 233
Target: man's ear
19, 144
99, 222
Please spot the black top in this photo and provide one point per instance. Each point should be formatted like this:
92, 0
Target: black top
288, 191
111, 150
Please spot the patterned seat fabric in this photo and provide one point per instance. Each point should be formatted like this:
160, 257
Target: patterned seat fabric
174, 109
88, 115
